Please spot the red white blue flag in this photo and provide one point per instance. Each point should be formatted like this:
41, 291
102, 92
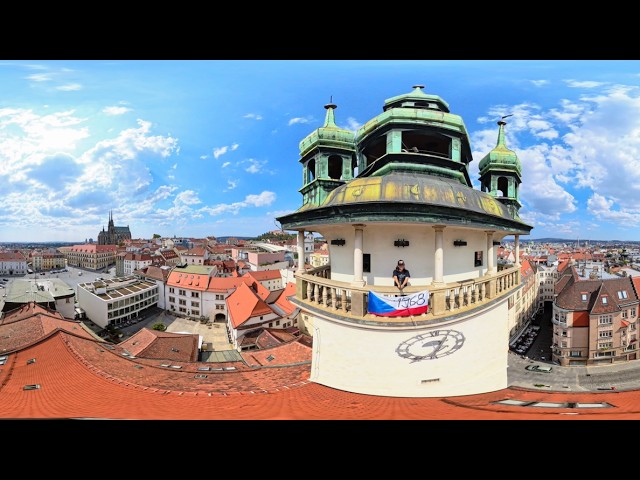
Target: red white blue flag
404, 306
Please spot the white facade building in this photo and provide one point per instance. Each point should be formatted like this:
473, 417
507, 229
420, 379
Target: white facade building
117, 300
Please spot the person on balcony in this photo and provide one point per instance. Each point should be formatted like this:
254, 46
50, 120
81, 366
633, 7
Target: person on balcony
401, 275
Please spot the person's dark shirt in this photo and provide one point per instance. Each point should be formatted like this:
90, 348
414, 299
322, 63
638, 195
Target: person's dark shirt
401, 274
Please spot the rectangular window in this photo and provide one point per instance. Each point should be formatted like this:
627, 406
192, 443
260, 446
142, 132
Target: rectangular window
575, 354
633, 312
195, 304
622, 294
584, 297
182, 309
219, 297
195, 294
182, 292
564, 333
478, 259
219, 307
277, 323
366, 262
625, 313
604, 300
171, 290
605, 334
605, 320
604, 354
605, 345
172, 299
564, 345
182, 301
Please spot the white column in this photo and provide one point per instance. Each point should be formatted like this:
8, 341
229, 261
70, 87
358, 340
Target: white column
517, 250
438, 276
490, 268
300, 246
357, 255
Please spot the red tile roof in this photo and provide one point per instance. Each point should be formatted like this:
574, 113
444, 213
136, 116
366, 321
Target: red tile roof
31, 322
73, 385
148, 343
244, 304
262, 275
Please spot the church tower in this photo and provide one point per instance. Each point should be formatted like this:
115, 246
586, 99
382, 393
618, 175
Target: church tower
327, 156
501, 173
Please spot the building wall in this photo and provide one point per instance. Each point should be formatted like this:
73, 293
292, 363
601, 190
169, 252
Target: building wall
66, 306
419, 256
13, 267
479, 366
95, 307
105, 311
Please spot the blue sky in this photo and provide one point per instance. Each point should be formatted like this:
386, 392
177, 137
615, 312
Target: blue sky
210, 147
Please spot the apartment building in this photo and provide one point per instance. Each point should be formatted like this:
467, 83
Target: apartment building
46, 260
594, 320
13, 263
91, 256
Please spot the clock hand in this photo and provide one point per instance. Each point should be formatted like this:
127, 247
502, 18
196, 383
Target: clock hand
438, 348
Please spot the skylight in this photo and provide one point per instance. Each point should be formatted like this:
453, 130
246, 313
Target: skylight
604, 300
584, 297
622, 294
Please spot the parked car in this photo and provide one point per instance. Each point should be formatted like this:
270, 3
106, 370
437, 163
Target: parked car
539, 368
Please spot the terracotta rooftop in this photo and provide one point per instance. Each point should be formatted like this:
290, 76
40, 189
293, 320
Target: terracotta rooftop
72, 385
148, 343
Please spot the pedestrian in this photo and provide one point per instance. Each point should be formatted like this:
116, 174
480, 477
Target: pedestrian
401, 275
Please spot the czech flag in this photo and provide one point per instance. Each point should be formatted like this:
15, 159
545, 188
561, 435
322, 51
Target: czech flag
405, 306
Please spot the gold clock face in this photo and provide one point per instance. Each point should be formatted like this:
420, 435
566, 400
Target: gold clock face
431, 345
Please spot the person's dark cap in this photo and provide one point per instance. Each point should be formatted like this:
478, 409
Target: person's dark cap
400, 262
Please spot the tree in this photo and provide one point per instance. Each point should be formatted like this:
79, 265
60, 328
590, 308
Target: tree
161, 327
157, 235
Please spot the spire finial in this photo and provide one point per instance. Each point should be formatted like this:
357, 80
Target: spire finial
502, 123
330, 120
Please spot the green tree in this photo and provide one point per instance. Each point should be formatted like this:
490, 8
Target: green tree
161, 327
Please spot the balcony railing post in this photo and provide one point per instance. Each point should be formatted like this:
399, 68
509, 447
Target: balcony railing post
438, 301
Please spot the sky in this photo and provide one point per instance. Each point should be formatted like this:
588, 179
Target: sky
201, 148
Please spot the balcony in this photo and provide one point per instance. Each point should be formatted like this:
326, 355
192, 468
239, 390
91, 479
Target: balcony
317, 292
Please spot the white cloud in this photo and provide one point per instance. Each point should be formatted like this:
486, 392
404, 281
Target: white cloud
256, 166
219, 151
263, 199
115, 110
539, 83
188, 197
231, 184
255, 116
583, 84
204, 157
226, 164
607, 209
70, 87
295, 120
39, 77
352, 124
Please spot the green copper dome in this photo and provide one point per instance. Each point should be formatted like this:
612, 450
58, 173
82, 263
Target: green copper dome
417, 98
501, 158
329, 135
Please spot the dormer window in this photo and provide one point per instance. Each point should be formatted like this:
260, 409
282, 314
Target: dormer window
622, 294
584, 296
604, 300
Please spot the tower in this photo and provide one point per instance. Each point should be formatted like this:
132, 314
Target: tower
409, 198
501, 173
327, 156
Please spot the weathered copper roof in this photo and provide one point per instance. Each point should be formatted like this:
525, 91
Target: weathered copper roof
412, 196
501, 157
329, 135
